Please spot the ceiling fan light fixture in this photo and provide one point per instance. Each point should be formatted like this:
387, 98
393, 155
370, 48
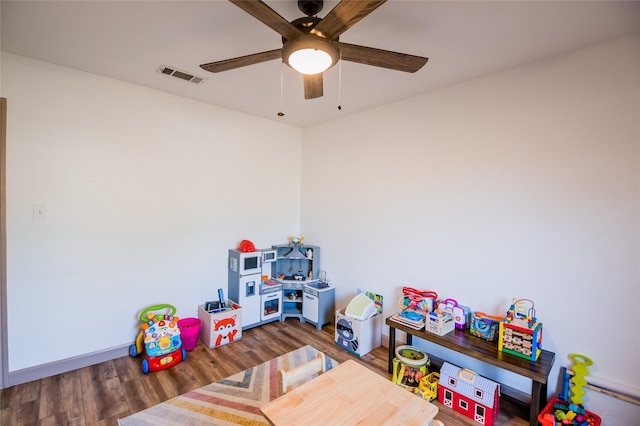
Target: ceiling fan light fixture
310, 55
310, 61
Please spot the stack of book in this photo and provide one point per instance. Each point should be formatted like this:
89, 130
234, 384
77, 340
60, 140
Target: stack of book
411, 318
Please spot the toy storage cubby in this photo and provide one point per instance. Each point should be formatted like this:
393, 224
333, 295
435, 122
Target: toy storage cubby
359, 336
221, 327
292, 301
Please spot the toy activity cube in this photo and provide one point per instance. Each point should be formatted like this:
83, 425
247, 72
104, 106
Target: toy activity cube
519, 341
521, 334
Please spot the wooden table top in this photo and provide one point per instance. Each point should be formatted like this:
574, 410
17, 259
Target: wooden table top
349, 394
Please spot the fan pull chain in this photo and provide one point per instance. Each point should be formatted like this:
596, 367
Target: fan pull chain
340, 83
281, 113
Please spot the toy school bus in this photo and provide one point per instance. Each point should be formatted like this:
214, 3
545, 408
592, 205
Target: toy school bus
428, 387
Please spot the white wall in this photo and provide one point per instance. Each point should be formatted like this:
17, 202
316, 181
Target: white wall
145, 193
522, 184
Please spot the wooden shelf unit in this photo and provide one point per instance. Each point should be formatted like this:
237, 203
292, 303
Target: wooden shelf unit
464, 342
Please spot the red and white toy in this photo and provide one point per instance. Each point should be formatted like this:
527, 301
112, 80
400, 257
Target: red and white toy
469, 394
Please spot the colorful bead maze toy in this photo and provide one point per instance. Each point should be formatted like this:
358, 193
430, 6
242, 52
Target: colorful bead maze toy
159, 337
520, 332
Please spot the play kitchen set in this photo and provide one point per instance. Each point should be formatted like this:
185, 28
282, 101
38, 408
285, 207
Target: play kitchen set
281, 282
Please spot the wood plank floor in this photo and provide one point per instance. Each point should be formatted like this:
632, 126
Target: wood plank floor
102, 393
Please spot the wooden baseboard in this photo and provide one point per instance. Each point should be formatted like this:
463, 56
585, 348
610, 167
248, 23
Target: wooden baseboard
46, 370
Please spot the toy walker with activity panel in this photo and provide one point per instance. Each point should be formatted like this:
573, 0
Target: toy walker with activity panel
159, 337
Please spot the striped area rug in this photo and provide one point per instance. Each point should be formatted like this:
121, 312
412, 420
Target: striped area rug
235, 400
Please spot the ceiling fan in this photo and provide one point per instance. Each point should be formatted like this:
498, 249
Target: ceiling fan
310, 35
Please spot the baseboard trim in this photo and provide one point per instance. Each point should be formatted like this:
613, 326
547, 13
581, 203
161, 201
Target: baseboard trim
57, 367
385, 341
30, 374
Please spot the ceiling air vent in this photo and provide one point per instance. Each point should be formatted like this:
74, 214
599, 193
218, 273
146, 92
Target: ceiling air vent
182, 75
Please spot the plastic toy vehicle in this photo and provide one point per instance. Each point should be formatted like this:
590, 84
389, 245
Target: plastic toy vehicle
428, 387
161, 338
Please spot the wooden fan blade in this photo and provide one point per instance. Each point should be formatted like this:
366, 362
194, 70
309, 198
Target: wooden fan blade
381, 58
346, 14
242, 61
312, 86
269, 17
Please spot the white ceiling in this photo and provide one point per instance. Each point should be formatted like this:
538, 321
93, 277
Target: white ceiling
129, 40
